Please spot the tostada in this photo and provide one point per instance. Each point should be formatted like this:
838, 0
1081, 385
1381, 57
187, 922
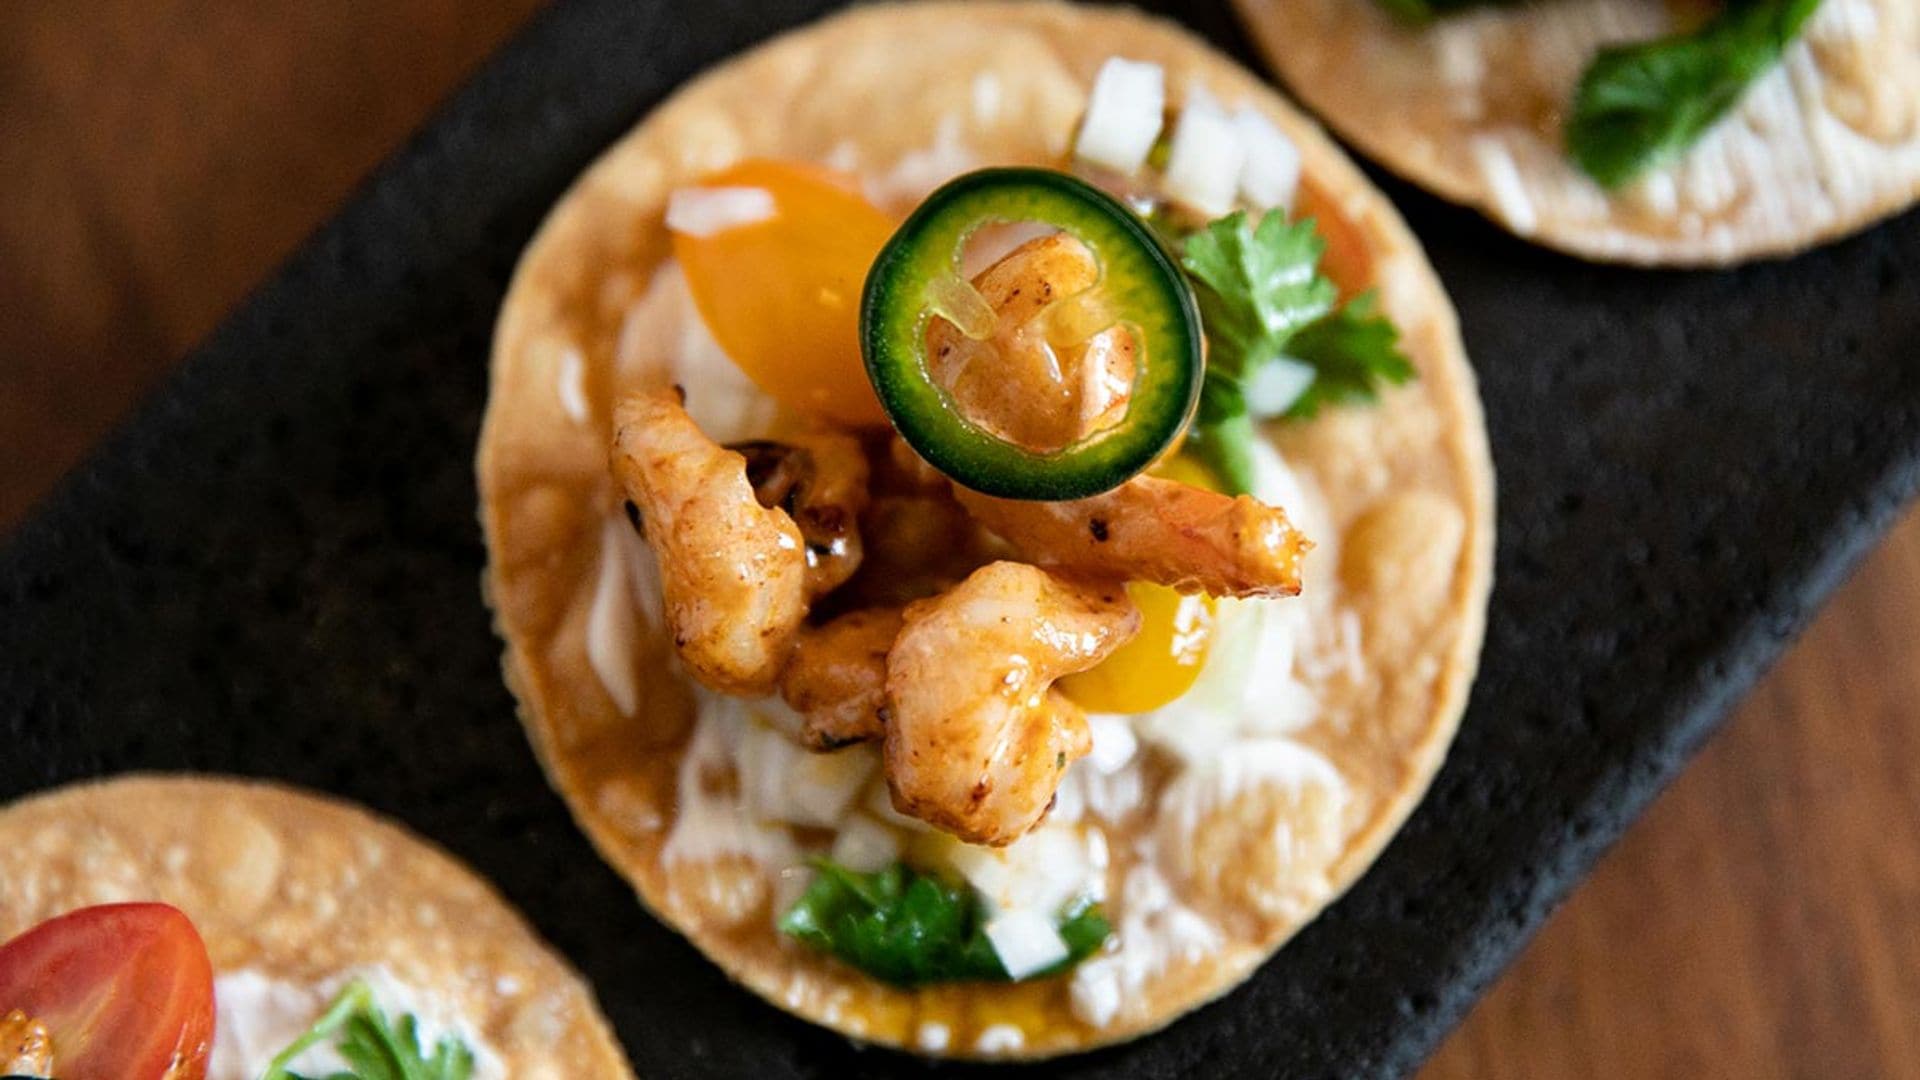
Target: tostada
990, 519
196, 928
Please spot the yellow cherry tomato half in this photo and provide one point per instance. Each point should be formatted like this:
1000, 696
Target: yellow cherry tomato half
782, 295
1187, 469
1159, 664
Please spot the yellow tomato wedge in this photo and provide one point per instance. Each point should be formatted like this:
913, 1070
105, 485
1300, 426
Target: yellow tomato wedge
1159, 664
1187, 469
782, 295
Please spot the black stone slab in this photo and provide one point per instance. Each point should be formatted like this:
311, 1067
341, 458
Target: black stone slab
274, 569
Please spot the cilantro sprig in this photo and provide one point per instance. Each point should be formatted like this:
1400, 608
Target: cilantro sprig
1641, 104
909, 928
1264, 302
376, 1048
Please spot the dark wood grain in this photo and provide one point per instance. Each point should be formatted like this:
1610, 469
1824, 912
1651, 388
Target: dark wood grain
1763, 920
161, 155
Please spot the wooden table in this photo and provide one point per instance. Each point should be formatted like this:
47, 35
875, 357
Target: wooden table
160, 156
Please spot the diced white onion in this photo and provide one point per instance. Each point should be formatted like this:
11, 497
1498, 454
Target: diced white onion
1096, 990
782, 782
707, 211
1042, 870
1113, 742
1274, 386
1270, 175
1124, 114
1025, 941
709, 823
1203, 167
865, 845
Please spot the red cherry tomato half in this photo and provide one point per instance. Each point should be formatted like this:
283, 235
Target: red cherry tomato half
126, 991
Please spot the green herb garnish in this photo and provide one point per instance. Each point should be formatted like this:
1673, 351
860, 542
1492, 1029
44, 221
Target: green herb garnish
908, 928
1263, 299
375, 1048
1351, 352
1639, 105
1419, 11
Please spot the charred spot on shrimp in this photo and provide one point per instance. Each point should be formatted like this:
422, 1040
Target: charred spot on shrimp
820, 482
775, 470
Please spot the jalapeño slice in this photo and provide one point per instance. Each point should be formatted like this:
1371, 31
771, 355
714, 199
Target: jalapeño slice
917, 277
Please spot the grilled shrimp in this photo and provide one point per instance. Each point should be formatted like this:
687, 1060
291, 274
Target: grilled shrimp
26, 1048
733, 572
976, 737
1023, 381
820, 480
837, 678
1158, 530
1148, 529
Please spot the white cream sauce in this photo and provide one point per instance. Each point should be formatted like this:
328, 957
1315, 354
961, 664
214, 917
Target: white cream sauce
712, 820
258, 1016
613, 624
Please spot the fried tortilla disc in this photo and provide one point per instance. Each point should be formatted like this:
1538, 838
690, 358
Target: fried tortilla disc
303, 889
906, 96
1471, 107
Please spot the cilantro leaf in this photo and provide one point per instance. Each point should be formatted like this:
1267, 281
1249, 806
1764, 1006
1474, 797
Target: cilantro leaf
376, 1048
1638, 105
1351, 351
909, 928
1258, 284
1262, 300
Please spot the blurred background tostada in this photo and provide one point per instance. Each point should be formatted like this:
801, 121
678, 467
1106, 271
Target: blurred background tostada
201, 928
992, 546
1686, 132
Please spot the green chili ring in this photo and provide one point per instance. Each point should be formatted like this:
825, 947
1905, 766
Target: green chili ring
1138, 278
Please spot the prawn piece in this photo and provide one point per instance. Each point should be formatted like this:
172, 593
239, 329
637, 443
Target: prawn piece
733, 572
820, 480
26, 1048
837, 678
1148, 529
1037, 379
977, 739
1158, 530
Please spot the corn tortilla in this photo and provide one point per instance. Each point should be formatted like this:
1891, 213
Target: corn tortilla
1471, 108
893, 92
304, 889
